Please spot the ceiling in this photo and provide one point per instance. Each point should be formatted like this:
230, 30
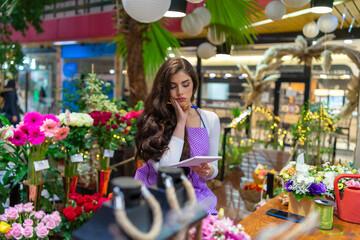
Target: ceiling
296, 23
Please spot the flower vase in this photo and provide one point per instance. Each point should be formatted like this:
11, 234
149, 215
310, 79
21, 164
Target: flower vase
69, 184
303, 207
34, 183
103, 181
70, 177
33, 193
34, 177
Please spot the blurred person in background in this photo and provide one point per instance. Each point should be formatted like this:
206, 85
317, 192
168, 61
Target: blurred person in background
10, 109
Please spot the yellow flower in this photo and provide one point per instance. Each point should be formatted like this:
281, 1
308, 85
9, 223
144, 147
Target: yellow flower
341, 186
257, 171
318, 179
221, 213
4, 227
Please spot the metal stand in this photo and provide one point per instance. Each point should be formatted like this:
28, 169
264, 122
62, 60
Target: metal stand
226, 131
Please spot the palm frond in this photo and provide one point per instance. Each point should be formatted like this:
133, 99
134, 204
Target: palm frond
235, 15
156, 47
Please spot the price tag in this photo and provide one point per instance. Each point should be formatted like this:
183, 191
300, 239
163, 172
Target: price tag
41, 165
76, 158
109, 153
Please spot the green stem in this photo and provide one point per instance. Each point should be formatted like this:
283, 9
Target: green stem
103, 160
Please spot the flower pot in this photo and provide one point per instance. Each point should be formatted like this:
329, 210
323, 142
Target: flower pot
33, 193
103, 181
69, 184
303, 206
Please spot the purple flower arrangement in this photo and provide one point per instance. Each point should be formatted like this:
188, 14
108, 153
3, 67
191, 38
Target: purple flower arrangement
305, 188
22, 222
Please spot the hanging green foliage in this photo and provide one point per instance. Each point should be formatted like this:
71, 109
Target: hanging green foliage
233, 18
157, 47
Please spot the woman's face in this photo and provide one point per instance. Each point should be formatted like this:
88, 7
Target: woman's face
181, 88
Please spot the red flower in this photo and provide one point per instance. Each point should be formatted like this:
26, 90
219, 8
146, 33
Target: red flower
89, 198
80, 200
128, 122
114, 126
78, 211
107, 127
103, 122
97, 196
96, 207
96, 122
73, 196
117, 115
69, 214
88, 207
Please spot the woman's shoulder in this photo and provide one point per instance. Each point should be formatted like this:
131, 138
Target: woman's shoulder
210, 115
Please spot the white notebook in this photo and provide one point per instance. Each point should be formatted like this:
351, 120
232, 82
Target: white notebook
196, 161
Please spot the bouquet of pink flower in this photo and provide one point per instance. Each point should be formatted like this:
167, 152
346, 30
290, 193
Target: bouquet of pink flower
220, 227
34, 135
22, 222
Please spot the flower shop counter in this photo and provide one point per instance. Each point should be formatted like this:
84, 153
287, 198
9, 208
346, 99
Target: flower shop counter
258, 220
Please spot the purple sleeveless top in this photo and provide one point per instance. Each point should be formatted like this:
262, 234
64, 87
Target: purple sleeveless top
199, 146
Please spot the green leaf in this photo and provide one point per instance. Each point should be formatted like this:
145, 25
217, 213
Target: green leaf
4, 120
233, 18
156, 48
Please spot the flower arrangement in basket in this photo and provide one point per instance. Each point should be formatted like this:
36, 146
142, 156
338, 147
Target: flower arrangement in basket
251, 195
33, 136
76, 143
304, 182
220, 227
22, 222
78, 210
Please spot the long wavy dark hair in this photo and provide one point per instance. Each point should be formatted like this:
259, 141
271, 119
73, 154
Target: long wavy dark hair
157, 122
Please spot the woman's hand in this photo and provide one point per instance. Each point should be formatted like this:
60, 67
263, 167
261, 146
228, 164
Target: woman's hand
181, 114
206, 170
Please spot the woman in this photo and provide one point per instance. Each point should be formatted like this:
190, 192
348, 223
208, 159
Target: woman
169, 133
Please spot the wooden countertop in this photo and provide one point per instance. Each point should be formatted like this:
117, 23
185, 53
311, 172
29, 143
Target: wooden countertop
256, 221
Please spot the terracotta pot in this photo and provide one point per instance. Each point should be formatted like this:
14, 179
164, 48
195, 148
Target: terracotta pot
303, 206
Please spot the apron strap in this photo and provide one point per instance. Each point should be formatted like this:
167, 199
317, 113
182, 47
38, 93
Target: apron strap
200, 118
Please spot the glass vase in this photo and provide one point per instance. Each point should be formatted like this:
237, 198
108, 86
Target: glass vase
70, 167
34, 177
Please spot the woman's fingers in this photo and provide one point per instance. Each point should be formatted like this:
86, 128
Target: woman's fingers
204, 170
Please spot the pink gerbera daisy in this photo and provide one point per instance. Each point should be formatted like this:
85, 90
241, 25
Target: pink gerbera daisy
61, 133
23, 128
52, 117
49, 127
19, 138
36, 136
33, 119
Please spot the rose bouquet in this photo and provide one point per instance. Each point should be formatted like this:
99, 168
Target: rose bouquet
22, 222
79, 209
76, 143
33, 136
103, 131
220, 227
